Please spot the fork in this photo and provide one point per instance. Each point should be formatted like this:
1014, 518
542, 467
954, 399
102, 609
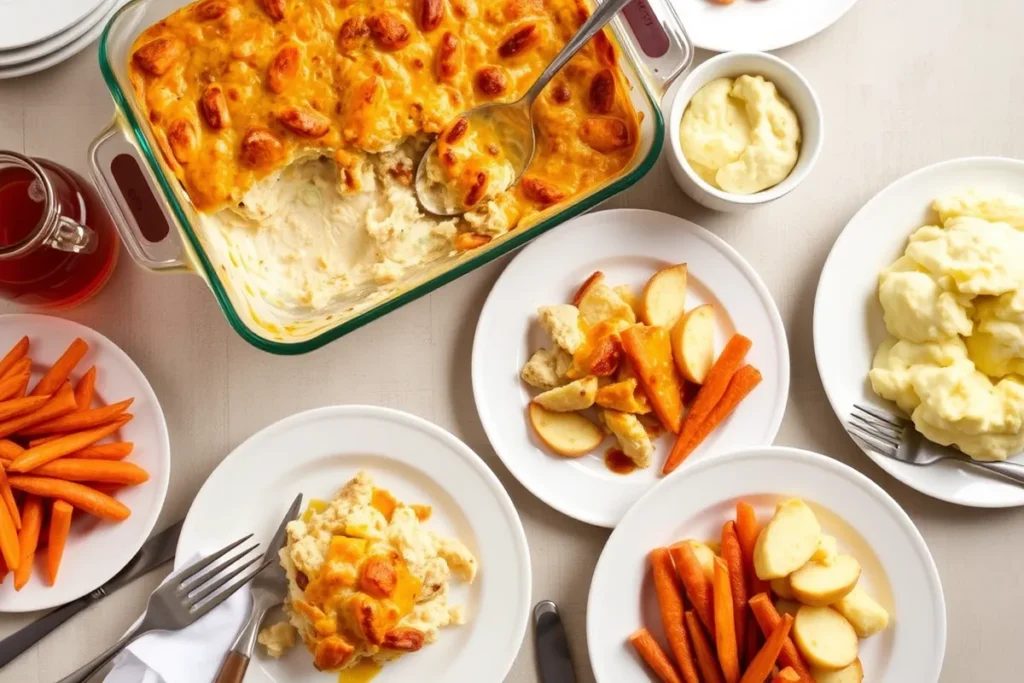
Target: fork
897, 438
183, 599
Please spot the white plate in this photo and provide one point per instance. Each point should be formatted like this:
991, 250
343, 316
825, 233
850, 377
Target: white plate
848, 325
54, 43
315, 453
757, 25
628, 245
23, 22
96, 550
897, 568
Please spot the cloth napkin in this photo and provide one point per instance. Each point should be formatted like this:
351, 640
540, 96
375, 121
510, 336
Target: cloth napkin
191, 655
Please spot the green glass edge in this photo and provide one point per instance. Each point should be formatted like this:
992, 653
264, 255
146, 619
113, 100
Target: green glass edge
298, 348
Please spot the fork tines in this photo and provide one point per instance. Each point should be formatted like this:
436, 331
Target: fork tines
198, 584
876, 429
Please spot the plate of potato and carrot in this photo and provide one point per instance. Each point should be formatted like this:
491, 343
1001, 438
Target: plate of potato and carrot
774, 565
84, 461
647, 344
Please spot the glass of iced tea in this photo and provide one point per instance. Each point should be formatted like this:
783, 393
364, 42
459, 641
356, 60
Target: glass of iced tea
58, 246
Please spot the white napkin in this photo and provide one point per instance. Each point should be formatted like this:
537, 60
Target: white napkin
191, 655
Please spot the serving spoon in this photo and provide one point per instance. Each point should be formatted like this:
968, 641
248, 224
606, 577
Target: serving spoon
513, 121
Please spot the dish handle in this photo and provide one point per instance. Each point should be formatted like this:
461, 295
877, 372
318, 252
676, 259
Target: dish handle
653, 34
146, 228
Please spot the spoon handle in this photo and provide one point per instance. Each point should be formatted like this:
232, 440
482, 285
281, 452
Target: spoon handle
601, 16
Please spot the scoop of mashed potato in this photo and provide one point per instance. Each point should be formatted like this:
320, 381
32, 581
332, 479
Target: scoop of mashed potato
740, 135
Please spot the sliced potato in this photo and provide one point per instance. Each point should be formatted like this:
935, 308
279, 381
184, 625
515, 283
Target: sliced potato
568, 434
594, 278
600, 303
693, 343
781, 588
664, 297
787, 542
851, 674
790, 607
828, 548
578, 395
825, 638
865, 615
819, 584
630, 297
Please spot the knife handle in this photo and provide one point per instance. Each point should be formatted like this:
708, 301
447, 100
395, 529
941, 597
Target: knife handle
17, 643
233, 668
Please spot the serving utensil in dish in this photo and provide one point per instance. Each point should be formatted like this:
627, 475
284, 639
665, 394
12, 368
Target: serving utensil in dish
160, 226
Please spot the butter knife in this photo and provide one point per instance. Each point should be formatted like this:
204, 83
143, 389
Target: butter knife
154, 552
554, 662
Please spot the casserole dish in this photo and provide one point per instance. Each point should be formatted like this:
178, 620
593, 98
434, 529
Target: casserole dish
160, 226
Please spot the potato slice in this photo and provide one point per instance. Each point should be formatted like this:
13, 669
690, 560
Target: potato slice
595, 278
828, 549
865, 615
568, 434
664, 297
790, 607
851, 674
781, 588
819, 584
629, 296
825, 638
578, 395
600, 303
787, 542
693, 343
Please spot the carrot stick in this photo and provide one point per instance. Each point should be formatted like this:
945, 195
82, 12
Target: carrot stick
747, 531
761, 666
753, 637
734, 563
85, 389
698, 588
81, 497
100, 471
62, 403
649, 650
768, 619
3, 568
77, 421
8, 499
706, 660
725, 629
741, 384
66, 445
787, 675
59, 371
60, 527
9, 546
118, 450
670, 602
17, 352
710, 393
20, 406
21, 367
28, 539
10, 386
23, 387
40, 440
111, 489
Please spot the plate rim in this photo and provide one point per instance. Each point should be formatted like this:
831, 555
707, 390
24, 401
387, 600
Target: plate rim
539, 244
70, 19
889, 466
47, 46
456, 444
804, 456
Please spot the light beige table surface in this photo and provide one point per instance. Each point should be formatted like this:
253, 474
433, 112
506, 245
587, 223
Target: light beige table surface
903, 84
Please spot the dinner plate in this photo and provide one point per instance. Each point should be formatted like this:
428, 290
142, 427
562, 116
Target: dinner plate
23, 22
47, 47
897, 569
756, 25
95, 550
318, 451
628, 246
848, 325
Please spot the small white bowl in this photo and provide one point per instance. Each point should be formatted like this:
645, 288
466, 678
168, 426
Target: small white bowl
793, 87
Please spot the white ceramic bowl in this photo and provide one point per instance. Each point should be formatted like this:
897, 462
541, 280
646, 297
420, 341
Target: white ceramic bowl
793, 87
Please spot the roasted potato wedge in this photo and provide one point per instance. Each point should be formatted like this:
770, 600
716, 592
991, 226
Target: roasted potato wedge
693, 343
787, 542
568, 434
865, 615
664, 297
825, 638
819, 584
578, 395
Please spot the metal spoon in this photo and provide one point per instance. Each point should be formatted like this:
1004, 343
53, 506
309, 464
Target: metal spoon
514, 120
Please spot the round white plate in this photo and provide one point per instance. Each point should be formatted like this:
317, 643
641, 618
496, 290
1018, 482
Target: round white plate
315, 453
23, 22
897, 568
628, 246
848, 325
756, 25
54, 43
95, 550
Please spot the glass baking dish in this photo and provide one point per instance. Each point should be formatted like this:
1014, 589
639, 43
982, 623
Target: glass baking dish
159, 225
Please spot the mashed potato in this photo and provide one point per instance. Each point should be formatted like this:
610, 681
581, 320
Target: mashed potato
740, 135
954, 303
366, 580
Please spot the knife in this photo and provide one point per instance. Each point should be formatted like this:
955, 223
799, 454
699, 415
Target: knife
154, 552
554, 662
268, 589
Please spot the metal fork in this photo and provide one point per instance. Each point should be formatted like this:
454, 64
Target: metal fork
897, 438
183, 599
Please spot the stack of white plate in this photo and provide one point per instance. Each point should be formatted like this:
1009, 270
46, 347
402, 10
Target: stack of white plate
39, 34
